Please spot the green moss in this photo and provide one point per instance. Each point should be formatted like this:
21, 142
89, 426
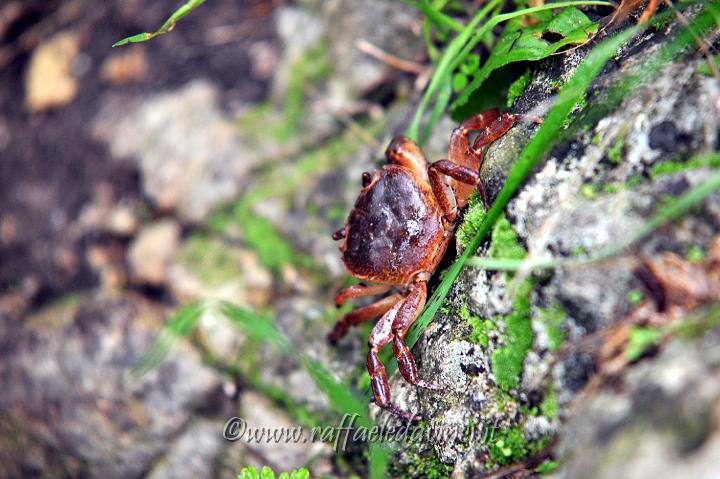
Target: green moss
588, 191
210, 259
640, 340
547, 467
615, 153
634, 181
311, 68
552, 318
474, 217
634, 297
549, 406
422, 462
479, 327
695, 254
507, 361
272, 248
507, 446
505, 242
611, 188
710, 160
517, 88
703, 67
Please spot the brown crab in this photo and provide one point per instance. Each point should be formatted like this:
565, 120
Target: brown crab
398, 232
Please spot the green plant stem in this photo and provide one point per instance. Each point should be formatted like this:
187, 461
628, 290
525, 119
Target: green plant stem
442, 71
462, 45
435, 15
676, 209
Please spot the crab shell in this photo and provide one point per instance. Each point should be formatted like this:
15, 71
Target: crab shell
395, 230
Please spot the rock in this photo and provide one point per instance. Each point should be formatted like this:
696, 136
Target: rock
50, 82
263, 418
663, 422
194, 454
386, 24
125, 66
554, 216
189, 154
152, 250
72, 404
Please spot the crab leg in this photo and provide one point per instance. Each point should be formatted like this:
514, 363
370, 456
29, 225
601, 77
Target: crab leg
393, 326
460, 154
365, 313
380, 336
442, 192
493, 131
359, 290
406, 315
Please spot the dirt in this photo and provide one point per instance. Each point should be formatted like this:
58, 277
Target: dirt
51, 166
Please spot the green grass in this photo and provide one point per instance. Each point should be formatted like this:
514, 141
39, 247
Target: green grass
166, 27
460, 48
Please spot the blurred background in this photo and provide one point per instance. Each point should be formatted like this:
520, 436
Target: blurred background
212, 162
166, 261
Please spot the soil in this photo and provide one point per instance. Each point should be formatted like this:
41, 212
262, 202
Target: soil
51, 165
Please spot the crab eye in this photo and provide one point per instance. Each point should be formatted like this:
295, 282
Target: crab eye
366, 178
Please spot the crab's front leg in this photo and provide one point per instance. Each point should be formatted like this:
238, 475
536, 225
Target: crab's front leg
491, 124
445, 197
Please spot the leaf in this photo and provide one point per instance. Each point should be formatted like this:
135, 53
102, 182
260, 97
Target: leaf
266, 473
519, 42
459, 81
166, 27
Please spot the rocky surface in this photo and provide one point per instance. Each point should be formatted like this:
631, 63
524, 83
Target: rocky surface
566, 210
71, 404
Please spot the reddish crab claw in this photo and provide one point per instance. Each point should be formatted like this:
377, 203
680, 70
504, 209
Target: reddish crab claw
398, 232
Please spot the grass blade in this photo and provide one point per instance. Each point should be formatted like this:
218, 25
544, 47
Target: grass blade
462, 45
676, 208
165, 28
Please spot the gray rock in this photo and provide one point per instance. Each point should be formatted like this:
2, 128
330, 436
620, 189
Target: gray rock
662, 423
71, 405
152, 250
189, 153
194, 454
554, 217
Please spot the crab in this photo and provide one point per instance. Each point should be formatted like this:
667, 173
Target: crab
397, 233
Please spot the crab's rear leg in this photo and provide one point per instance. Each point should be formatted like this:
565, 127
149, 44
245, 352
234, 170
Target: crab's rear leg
360, 290
393, 326
406, 315
363, 314
380, 336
